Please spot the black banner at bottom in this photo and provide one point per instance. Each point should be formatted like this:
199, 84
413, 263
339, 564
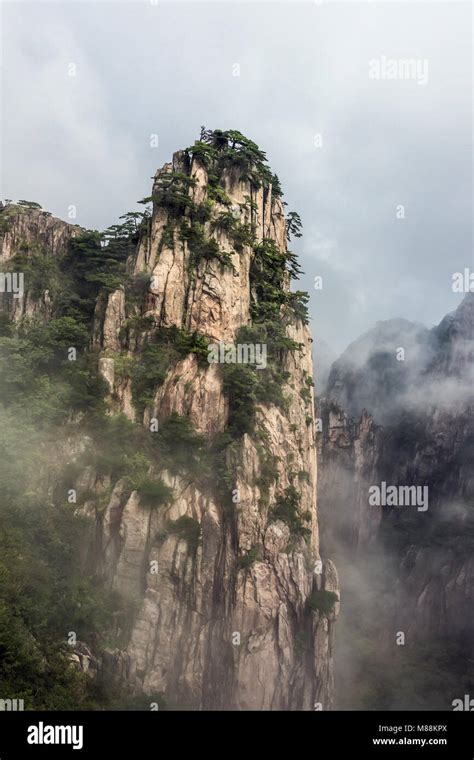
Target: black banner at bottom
132, 734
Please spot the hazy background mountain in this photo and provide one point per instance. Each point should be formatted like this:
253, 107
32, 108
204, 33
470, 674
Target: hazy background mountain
403, 571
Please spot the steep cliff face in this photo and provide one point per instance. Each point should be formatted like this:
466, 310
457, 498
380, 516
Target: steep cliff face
214, 544
29, 239
423, 557
210, 632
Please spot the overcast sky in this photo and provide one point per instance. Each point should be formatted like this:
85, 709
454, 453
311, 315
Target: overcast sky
168, 68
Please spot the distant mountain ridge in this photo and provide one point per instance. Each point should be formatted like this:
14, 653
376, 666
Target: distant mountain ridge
402, 423
383, 368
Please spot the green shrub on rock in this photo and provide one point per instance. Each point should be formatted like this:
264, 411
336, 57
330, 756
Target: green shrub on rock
322, 601
188, 529
286, 509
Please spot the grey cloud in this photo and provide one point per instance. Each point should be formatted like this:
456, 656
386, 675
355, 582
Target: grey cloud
167, 69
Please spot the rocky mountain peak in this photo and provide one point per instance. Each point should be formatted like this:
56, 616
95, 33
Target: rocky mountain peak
192, 431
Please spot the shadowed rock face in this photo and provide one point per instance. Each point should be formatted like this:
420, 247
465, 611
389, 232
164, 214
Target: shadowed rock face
426, 438
210, 629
